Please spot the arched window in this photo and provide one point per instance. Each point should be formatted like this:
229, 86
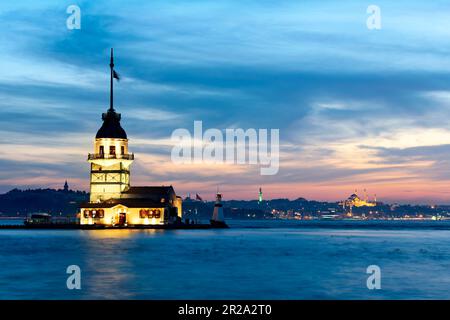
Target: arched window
94, 213
143, 213
146, 213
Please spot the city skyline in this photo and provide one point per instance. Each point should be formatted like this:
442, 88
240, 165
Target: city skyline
356, 108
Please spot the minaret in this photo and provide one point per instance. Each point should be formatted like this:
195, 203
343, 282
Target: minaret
218, 210
260, 197
110, 162
66, 186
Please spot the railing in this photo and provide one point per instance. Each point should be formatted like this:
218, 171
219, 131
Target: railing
94, 156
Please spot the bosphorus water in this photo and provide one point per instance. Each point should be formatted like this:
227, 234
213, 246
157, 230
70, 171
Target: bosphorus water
252, 260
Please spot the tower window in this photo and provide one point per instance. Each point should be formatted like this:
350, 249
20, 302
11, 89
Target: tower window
102, 150
112, 150
122, 150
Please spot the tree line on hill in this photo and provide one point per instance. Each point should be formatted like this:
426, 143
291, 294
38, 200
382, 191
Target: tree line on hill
56, 202
64, 202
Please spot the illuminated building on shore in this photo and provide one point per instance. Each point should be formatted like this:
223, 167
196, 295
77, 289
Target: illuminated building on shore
113, 201
355, 201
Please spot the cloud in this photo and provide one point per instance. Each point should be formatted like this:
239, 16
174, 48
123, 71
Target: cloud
353, 106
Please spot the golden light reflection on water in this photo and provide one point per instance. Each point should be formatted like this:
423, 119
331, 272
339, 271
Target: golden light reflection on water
119, 233
109, 266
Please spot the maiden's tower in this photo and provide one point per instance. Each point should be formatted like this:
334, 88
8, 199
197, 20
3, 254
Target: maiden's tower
113, 201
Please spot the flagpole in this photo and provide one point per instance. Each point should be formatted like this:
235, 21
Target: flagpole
111, 65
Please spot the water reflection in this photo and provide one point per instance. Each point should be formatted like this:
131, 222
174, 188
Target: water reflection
119, 233
271, 263
108, 271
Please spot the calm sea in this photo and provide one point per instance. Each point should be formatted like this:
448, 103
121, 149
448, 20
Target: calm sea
252, 260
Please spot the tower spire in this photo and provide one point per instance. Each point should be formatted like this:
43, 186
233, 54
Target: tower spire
111, 97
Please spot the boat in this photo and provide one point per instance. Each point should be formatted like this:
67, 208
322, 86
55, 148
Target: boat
38, 218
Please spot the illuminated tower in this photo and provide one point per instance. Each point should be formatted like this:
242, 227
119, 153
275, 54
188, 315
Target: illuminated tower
110, 162
260, 198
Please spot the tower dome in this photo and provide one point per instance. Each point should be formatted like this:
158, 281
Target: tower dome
111, 127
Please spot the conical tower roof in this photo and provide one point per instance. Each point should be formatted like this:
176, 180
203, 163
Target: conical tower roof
111, 127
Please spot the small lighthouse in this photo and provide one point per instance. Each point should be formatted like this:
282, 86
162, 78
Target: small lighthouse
218, 218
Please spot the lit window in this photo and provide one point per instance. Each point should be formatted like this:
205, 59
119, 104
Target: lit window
143, 213
146, 213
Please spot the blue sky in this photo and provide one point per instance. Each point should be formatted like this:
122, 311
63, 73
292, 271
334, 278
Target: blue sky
356, 108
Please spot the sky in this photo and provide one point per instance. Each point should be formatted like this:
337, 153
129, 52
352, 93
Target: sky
356, 108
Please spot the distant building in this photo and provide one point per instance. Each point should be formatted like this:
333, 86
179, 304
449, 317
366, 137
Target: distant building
113, 201
260, 196
355, 201
66, 187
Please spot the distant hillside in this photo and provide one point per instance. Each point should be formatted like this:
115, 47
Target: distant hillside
66, 202
56, 202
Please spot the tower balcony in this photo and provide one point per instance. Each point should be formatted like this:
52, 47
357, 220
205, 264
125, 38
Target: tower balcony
102, 156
